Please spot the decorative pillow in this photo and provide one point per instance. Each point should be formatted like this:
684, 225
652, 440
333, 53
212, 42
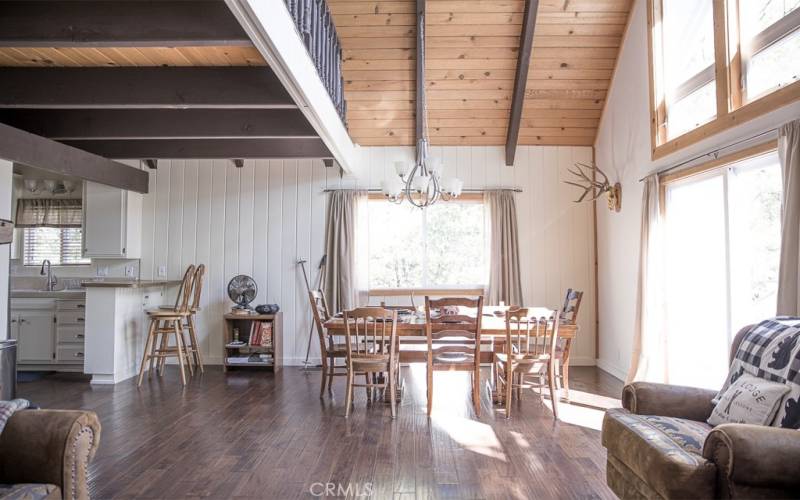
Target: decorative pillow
749, 400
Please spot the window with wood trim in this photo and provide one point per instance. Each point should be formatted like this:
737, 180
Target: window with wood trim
718, 63
443, 246
721, 251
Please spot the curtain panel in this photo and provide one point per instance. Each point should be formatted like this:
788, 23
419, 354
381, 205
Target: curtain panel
340, 281
49, 212
649, 362
789, 272
505, 283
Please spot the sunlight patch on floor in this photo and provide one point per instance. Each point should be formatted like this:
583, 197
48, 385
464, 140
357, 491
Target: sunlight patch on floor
471, 435
584, 409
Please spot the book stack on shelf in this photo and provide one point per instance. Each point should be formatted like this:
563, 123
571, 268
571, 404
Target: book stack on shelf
251, 341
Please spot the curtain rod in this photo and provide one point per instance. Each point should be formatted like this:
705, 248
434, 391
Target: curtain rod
714, 153
515, 190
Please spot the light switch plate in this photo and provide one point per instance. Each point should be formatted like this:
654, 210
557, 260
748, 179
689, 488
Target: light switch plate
129, 270
162, 271
102, 271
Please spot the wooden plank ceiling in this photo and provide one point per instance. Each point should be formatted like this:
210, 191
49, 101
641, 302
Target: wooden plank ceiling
130, 56
471, 57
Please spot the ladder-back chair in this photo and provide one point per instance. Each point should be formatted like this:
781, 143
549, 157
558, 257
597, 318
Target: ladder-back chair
454, 341
329, 350
530, 351
371, 344
569, 315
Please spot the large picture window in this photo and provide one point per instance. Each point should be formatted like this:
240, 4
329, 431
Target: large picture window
443, 246
722, 257
712, 59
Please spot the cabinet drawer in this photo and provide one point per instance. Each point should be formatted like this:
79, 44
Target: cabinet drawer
71, 305
70, 317
69, 354
69, 334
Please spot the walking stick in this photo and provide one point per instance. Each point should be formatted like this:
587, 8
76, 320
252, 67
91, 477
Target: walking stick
320, 272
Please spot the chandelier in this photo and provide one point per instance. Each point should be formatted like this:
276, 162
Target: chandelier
422, 183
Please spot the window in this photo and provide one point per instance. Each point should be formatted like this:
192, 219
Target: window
770, 41
722, 250
442, 246
59, 245
688, 64
711, 58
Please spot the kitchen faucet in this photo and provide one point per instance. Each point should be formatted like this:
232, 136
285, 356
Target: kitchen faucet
51, 278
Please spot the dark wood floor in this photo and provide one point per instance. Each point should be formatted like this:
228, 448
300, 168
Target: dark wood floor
258, 435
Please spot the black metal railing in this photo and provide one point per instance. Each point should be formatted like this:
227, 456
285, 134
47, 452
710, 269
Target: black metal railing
315, 24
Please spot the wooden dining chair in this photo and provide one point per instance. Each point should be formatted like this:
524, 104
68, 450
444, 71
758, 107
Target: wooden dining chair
454, 341
569, 315
193, 346
165, 323
530, 349
371, 344
329, 350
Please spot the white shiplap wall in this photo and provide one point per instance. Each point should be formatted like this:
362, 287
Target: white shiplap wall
259, 220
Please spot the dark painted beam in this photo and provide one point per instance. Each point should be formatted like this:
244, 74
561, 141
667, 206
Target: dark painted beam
35, 151
75, 124
115, 23
206, 148
521, 78
151, 87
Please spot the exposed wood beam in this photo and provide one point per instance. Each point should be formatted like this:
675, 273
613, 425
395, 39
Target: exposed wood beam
29, 149
73, 124
118, 24
132, 87
521, 78
206, 148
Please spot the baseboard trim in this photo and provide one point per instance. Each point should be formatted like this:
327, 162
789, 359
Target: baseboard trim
612, 369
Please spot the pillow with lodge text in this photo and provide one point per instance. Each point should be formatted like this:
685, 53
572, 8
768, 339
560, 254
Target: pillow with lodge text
749, 400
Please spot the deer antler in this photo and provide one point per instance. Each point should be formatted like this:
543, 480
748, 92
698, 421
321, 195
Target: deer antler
589, 184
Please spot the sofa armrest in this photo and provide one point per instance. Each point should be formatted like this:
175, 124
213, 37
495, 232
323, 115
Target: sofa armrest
50, 446
646, 398
754, 456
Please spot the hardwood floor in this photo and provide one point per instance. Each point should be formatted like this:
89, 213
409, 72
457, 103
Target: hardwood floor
258, 435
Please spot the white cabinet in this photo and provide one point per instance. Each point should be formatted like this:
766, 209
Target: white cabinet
112, 222
34, 331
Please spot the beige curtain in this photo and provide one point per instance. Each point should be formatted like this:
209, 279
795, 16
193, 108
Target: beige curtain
789, 274
504, 271
649, 361
340, 282
49, 212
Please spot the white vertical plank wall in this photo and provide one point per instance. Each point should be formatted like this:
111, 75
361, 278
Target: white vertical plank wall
260, 219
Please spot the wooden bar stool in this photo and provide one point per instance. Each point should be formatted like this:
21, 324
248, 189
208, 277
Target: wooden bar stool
193, 346
166, 322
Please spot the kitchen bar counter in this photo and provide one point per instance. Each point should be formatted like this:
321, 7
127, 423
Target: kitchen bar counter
128, 283
44, 294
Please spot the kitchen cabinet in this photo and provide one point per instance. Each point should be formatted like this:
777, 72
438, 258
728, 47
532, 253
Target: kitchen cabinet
34, 332
112, 222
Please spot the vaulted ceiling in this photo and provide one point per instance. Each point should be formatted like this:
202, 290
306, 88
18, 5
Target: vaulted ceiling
471, 57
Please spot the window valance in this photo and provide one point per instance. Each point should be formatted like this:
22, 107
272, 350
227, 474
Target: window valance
49, 212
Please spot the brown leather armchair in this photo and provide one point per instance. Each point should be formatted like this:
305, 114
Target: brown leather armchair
46, 453
660, 446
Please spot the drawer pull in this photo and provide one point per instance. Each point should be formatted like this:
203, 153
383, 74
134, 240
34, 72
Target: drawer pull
81, 306
79, 336
78, 355
80, 319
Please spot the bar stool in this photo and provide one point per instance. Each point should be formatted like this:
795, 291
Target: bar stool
193, 346
166, 322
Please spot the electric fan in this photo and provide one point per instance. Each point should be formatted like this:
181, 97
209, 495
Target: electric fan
242, 290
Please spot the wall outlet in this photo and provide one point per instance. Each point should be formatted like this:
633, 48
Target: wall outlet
102, 271
129, 270
162, 271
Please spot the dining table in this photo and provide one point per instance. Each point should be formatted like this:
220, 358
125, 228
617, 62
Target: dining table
412, 335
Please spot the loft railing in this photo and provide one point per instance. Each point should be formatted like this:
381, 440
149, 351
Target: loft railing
315, 24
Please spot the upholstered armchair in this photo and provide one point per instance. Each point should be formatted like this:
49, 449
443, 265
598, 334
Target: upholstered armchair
46, 453
660, 446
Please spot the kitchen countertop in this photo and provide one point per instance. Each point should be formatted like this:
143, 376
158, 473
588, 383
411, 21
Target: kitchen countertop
116, 283
44, 294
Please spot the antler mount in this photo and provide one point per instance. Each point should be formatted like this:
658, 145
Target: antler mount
595, 184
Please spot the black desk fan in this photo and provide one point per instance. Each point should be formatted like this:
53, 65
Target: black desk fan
242, 290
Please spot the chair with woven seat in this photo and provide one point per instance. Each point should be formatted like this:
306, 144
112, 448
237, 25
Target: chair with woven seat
165, 323
530, 351
569, 315
371, 345
454, 341
329, 350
